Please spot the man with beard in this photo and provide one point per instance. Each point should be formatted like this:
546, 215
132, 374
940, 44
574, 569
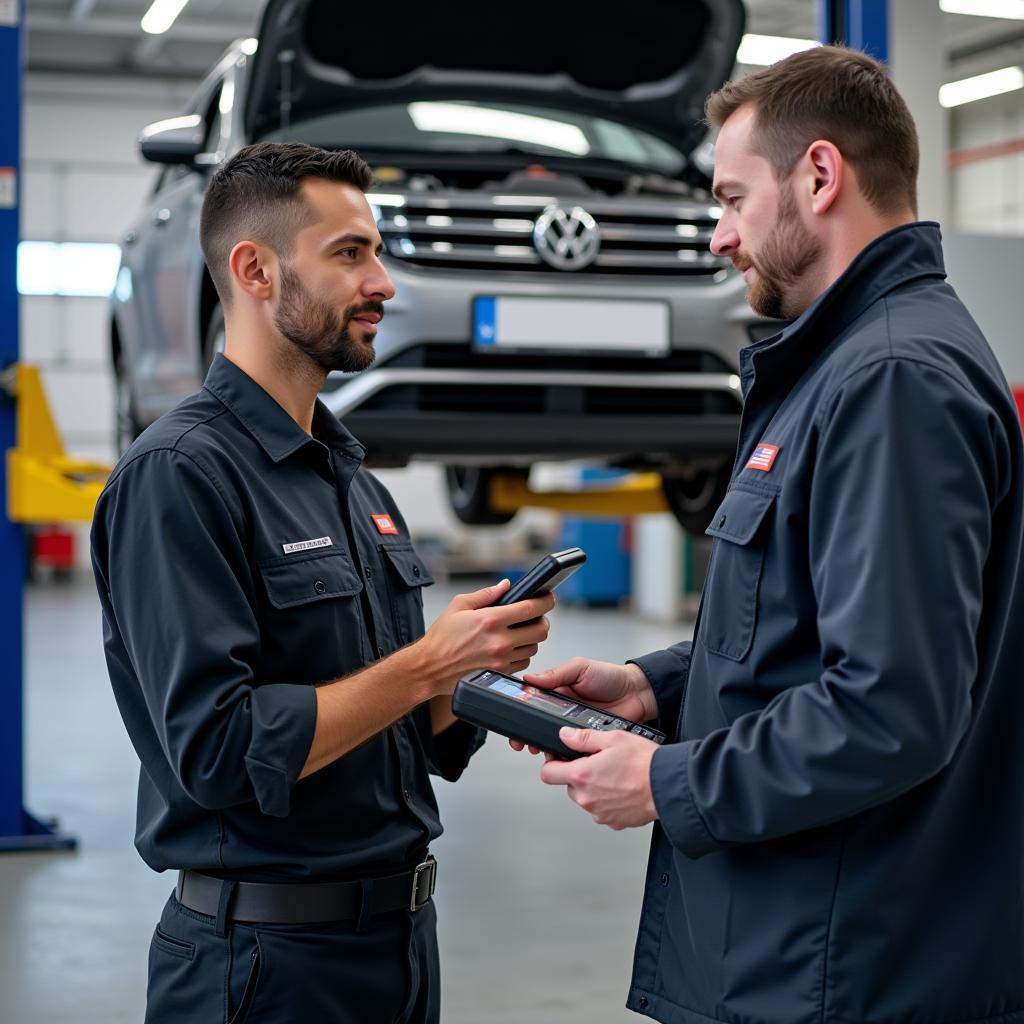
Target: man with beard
263, 625
838, 835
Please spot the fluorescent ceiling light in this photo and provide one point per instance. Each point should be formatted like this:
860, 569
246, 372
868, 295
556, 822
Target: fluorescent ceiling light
160, 17
967, 90
765, 50
1013, 9
464, 119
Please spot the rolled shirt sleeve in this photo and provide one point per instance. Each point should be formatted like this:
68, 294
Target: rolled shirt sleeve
900, 523
169, 549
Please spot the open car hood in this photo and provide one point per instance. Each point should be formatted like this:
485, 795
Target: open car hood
651, 68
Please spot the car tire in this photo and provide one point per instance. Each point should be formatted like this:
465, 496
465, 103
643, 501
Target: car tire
126, 421
469, 493
693, 497
213, 336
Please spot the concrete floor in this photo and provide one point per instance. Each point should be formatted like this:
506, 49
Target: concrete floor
537, 905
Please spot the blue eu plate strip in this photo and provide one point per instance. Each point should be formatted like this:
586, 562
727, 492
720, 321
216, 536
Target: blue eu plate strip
485, 321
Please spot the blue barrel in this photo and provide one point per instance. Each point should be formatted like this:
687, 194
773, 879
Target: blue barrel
605, 578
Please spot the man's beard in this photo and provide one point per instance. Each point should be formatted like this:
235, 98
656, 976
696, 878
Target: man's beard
787, 254
318, 330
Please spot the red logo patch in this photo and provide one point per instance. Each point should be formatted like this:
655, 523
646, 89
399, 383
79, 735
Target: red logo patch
384, 524
763, 457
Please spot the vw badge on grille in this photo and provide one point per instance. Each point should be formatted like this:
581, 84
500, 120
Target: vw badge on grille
567, 241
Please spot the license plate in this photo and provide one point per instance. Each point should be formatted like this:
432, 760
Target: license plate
570, 325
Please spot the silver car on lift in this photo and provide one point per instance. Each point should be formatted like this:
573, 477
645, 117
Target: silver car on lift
546, 224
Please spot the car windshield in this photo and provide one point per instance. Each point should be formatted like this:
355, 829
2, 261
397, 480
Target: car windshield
433, 126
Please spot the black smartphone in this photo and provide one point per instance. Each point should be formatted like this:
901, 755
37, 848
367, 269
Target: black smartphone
545, 575
509, 706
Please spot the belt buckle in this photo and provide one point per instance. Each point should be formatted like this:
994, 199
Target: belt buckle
424, 879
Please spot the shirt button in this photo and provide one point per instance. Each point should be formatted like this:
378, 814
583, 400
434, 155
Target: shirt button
721, 522
664, 878
319, 586
367, 572
643, 1002
380, 652
406, 794
415, 570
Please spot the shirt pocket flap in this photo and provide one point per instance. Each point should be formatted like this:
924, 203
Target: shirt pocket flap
740, 514
319, 578
409, 566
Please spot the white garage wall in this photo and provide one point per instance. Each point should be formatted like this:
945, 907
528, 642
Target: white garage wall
82, 181
988, 196
987, 199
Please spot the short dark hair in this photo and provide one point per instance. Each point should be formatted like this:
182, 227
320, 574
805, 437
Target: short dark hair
255, 195
842, 96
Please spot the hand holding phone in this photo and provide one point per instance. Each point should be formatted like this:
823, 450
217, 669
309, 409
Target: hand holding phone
547, 574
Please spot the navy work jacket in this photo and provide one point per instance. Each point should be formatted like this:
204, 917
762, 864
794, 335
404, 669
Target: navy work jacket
841, 834
239, 562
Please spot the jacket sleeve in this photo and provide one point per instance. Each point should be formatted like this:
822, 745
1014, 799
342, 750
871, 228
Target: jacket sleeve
170, 553
900, 514
667, 671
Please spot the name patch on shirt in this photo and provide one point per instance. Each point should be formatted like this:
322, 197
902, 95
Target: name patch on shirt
307, 545
384, 524
763, 457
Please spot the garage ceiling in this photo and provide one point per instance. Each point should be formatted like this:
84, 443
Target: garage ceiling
104, 37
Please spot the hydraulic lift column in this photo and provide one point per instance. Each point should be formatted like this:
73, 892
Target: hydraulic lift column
18, 829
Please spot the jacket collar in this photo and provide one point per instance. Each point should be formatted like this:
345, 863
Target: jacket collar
890, 261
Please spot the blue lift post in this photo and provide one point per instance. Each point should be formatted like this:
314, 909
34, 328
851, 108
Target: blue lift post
18, 829
860, 24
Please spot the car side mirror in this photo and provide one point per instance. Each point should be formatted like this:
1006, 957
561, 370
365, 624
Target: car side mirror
177, 140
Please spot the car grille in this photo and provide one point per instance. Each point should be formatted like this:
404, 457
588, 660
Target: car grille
467, 231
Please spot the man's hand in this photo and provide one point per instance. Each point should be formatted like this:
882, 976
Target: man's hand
613, 784
622, 690
472, 634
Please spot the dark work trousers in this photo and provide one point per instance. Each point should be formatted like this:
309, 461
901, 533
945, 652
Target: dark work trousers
388, 973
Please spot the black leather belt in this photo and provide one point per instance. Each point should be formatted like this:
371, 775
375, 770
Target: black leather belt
309, 902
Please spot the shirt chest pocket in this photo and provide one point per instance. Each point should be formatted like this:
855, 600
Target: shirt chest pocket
291, 582
729, 611
313, 625
406, 577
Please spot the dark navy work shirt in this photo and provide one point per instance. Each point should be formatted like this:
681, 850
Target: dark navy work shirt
239, 562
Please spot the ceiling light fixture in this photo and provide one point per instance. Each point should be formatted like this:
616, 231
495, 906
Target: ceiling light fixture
160, 17
980, 87
1013, 9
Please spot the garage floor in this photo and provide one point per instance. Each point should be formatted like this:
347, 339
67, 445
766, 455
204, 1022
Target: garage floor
538, 906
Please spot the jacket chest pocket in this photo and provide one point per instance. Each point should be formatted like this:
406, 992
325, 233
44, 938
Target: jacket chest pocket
729, 612
406, 577
313, 608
